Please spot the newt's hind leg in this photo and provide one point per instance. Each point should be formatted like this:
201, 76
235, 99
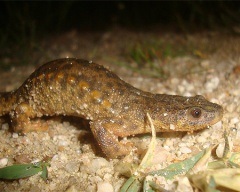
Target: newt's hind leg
21, 119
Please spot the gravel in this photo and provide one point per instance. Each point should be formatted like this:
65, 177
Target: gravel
76, 162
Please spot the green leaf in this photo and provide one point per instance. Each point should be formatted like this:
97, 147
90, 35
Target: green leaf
23, 170
178, 168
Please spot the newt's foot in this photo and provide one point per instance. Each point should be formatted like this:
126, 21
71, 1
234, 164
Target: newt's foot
34, 125
24, 120
108, 139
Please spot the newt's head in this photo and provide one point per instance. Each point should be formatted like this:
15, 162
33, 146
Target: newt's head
187, 113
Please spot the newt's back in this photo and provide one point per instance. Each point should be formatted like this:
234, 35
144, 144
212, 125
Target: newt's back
74, 87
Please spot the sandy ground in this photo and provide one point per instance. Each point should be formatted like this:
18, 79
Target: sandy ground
212, 69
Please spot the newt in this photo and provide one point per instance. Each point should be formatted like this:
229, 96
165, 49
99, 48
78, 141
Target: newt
116, 109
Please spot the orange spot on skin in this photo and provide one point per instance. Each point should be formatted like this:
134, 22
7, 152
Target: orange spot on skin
71, 80
83, 85
49, 75
106, 104
96, 95
59, 76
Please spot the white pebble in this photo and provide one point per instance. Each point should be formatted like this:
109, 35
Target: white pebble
184, 185
220, 150
72, 189
231, 107
108, 177
201, 139
174, 81
172, 127
235, 92
205, 63
234, 120
15, 135
72, 167
185, 150
98, 163
181, 88
206, 145
55, 157
104, 186
168, 148
63, 143
3, 162
212, 83
188, 86
187, 94
217, 125
182, 144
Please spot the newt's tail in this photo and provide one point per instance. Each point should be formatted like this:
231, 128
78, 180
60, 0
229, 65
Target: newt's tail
7, 100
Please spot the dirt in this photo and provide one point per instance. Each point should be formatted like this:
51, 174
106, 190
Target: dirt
210, 67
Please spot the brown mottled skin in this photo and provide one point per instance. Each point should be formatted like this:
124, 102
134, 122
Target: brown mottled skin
115, 109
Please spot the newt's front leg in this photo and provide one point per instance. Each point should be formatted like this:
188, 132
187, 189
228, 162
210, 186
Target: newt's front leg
106, 132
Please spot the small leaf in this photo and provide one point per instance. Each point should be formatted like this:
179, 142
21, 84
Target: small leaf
178, 168
23, 170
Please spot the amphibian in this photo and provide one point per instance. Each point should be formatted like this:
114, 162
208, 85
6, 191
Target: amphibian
115, 109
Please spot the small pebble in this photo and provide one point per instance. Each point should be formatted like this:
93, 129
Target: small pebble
187, 94
168, 143
206, 145
181, 88
235, 92
3, 162
182, 144
234, 120
201, 139
187, 85
175, 81
184, 185
98, 163
108, 176
185, 150
205, 63
72, 189
63, 143
15, 135
217, 125
72, 167
212, 83
104, 186
231, 107
220, 150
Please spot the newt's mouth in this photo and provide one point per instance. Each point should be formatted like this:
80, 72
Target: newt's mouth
213, 117
218, 115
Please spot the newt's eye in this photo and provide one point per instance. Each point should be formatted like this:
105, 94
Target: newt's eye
196, 112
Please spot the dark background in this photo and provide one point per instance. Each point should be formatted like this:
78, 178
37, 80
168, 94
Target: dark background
53, 16
24, 22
